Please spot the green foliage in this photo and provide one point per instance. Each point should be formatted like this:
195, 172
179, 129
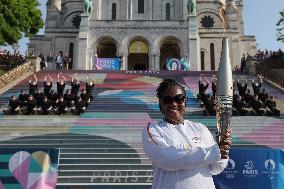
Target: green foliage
18, 17
280, 23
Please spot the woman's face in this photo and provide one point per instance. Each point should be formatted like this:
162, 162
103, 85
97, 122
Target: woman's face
172, 105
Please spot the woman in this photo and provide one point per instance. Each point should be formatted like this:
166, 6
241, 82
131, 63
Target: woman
184, 153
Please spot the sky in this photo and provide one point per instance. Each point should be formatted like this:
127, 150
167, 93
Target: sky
260, 18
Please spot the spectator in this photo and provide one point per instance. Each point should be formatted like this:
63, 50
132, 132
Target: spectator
42, 62
66, 61
243, 63
59, 61
13, 107
49, 60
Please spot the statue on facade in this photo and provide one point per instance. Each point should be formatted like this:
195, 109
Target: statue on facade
88, 6
191, 7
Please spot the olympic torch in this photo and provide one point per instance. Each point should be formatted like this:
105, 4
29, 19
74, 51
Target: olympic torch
224, 92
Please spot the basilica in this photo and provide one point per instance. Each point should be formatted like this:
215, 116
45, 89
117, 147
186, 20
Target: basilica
144, 34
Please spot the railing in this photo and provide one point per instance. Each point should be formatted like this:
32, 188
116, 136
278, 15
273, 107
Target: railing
15, 73
263, 69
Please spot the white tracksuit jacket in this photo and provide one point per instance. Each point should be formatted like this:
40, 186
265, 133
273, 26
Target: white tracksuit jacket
184, 156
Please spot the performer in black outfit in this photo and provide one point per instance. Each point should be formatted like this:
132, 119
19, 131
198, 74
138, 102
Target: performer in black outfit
32, 85
61, 82
89, 87
13, 107
30, 106
69, 98
242, 85
47, 85
61, 106
271, 104
85, 97
256, 84
23, 97
75, 85
45, 107
79, 106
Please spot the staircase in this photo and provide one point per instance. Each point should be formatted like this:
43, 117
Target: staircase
102, 148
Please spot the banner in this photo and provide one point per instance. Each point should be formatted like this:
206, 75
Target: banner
107, 64
253, 169
28, 168
176, 64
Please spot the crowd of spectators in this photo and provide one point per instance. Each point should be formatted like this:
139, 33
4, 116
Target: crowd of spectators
260, 56
58, 62
269, 55
244, 103
50, 101
9, 61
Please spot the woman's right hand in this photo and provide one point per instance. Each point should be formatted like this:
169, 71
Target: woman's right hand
225, 144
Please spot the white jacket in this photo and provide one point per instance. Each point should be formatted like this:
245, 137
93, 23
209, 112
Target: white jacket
184, 156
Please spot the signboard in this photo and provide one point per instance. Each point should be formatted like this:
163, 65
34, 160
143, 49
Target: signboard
176, 64
253, 169
107, 64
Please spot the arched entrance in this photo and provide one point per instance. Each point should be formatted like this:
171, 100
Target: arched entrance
169, 49
138, 58
71, 55
107, 48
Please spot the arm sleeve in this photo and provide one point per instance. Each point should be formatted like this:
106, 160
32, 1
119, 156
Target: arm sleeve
171, 159
218, 166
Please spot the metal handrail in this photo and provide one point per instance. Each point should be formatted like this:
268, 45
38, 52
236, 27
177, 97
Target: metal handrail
264, 70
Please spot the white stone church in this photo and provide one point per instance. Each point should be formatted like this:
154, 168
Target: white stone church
145, 33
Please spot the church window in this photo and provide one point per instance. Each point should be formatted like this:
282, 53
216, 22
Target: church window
207, 22
113, 11
202, 58
212, 56
140, 6
168, 11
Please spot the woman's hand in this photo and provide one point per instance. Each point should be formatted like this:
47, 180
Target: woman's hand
225, 143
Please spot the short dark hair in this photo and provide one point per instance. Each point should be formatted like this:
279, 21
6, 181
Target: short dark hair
165, 86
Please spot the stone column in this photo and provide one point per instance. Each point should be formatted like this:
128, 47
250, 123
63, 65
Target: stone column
100, 10
81, 62
194, 43
125, 61
157, 61
151, 62
127, 10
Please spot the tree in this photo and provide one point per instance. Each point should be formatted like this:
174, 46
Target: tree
18, 17
280, 23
